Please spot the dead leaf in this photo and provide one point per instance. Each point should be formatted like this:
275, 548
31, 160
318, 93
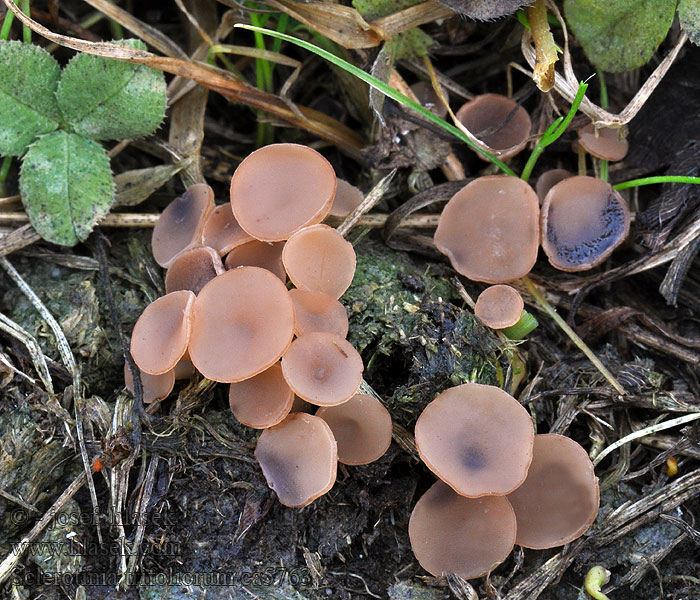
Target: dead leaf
485, 9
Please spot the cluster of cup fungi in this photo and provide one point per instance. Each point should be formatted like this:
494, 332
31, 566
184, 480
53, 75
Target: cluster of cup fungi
499, 483
228, 313
491, 230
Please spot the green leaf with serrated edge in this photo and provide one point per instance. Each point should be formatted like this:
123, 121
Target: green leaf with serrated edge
689, 17
107, 99
66, 185
28, 80
619, 35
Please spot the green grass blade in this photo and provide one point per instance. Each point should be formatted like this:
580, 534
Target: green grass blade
656, 179
385, 89
554, 132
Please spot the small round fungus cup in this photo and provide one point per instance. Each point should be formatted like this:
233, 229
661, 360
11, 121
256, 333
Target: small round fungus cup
193, 269
322, 368
477, 439
222, 232
583, 220
180, 225
316, 311
499, 306
280, 188
498, 121
427, 98
490, 229
319, 259
559, 499
162, 332
465, 536
255, 253
263, 400
362, 428
548, 180
299, 459
604, 143
347, 198
155, 387
242, 323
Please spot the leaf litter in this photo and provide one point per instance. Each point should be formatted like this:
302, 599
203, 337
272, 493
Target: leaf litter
188, 481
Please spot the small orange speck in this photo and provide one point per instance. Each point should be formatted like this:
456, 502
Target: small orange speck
671, 467
97, 465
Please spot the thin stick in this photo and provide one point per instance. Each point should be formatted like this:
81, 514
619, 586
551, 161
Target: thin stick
375, 221
10, 562
69, 362
372, 197
144, 500
652, 429
18, 500
42, 368
580, 344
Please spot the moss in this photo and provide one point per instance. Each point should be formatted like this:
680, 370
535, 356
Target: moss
408, 590
414, 337
75, 297
31, 469
59, 549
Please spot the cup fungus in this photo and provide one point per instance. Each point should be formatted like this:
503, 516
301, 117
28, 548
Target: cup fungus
362, 428
603, 142
184, 369
222, 232
162, 332
465, 536
427, 98
300, 405
316, 311
490, 229
498, 121
299, 459
499, 306
548, 180
193, 269
155, 387
280, 188
347, 198
255, 253
559, 499
477, 439
583, 220
319, 259
242, 322
322, 368
180, 225
263, 400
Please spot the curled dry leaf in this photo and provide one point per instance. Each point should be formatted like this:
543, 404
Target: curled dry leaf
545, 48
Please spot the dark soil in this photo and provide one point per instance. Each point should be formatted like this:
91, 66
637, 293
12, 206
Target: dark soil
180, 489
